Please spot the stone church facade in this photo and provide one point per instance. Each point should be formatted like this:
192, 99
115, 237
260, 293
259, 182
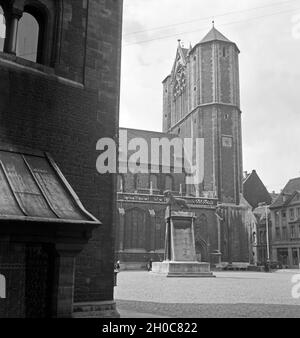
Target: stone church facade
201, 99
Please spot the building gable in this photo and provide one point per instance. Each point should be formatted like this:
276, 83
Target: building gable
255, 191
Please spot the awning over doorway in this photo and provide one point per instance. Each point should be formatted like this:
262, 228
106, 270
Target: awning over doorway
32, 188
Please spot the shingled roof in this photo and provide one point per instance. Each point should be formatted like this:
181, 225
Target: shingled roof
214, 35
292, 186
255, 191
33, 189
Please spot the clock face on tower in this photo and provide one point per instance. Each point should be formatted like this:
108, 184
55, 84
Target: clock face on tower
179, 81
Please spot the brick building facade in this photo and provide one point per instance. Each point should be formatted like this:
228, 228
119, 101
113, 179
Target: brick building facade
62, 104
201, 100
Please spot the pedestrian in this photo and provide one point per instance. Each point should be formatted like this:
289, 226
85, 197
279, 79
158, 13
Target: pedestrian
149, 265
116, 271
267, 267
117, 266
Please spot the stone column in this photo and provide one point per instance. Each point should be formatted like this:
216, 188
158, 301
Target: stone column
12, 32
219, 238
152, 231
290, 257
121, 229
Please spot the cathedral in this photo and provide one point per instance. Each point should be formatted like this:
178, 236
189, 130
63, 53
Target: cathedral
201, 99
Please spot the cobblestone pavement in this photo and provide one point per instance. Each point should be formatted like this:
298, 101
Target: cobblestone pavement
231, 294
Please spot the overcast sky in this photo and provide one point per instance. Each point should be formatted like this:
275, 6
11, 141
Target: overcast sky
268, 35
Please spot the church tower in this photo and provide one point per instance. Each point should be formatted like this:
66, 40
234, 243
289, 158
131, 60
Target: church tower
202, 100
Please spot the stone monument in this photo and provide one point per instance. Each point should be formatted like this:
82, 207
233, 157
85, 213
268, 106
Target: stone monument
180, 254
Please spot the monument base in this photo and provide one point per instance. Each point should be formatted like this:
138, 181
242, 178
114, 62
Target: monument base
182, 269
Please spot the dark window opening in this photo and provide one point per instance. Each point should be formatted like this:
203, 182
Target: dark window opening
293, 231
277, 233
295, 257
224, 52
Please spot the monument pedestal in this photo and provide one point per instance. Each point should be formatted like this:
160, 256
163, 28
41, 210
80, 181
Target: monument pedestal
180, 255
182, 269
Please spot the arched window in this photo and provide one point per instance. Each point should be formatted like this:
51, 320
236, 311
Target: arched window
30, 33
169, 183
28, 38
2, 29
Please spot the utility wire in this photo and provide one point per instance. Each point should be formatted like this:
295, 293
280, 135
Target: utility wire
208, 18
203, 28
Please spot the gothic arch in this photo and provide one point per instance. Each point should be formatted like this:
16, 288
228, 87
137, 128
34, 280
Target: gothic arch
44, 11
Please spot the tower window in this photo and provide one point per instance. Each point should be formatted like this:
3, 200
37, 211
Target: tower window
226, 116
28, 38
2, 29
224, 52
